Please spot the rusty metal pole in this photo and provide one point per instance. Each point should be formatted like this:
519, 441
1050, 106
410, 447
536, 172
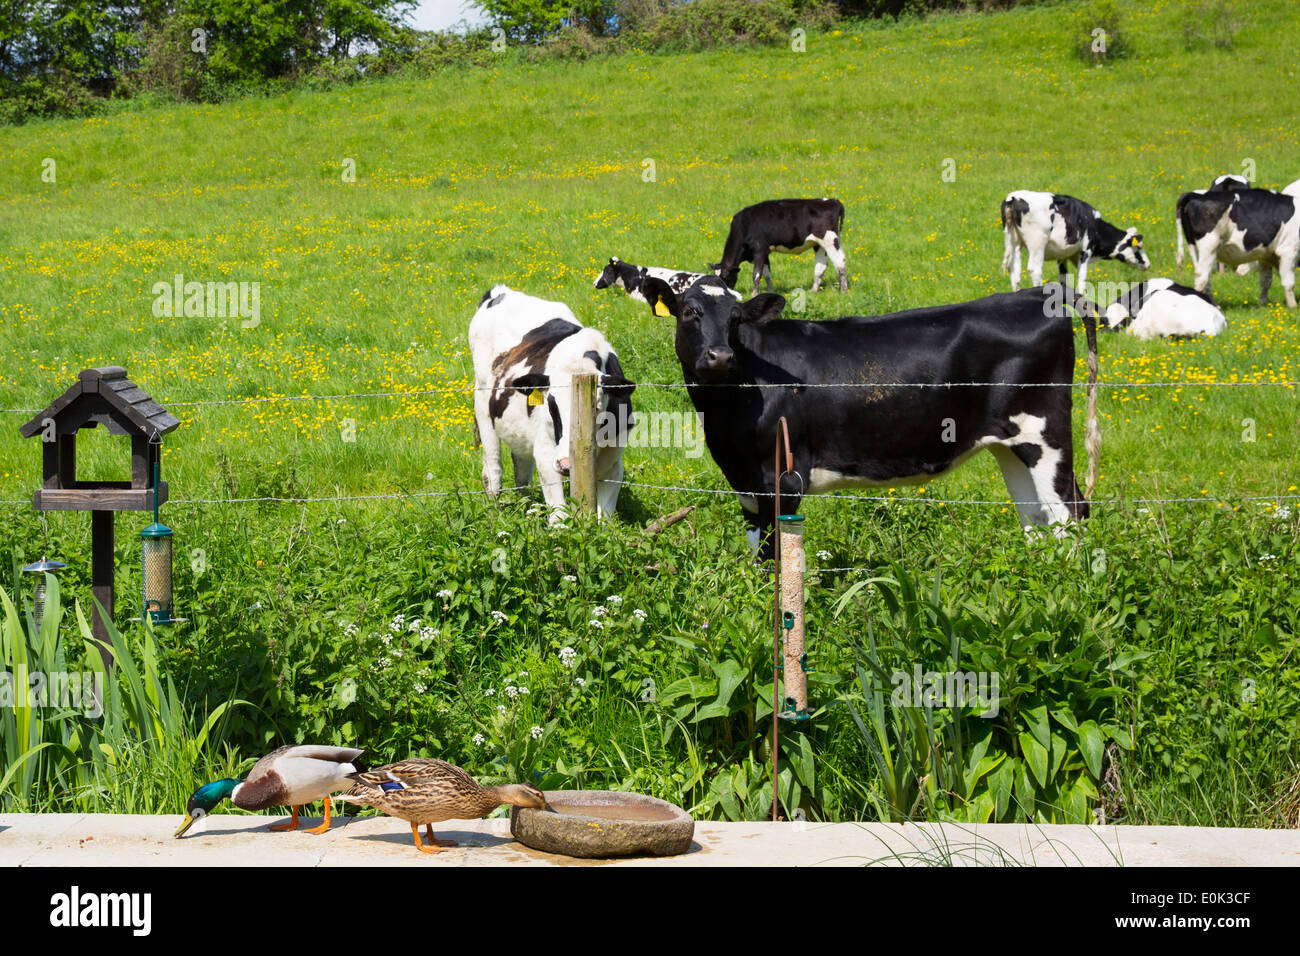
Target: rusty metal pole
582, 444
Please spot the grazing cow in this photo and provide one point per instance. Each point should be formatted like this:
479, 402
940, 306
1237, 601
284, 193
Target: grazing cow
526, 351
1161, 308
784, 225
1226, 181
1242, 226
878, 433
629, 278
1065, 229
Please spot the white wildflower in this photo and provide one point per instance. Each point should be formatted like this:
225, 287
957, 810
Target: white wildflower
445, 593
580, 682
823, 555
420, 688
598, 625
568, 656
640, 615
613, 599
599, 611
478, 740
499, 617
491, 691
501, 708
536, 733
512, 691
571, 578
1282, 513
413, 626
427, 634
503, 534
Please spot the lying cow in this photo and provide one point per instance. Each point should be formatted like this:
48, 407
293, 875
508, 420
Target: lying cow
526, 351
784, 225
629, 278
1161, 308
877, 433
1064, 229
1238, 227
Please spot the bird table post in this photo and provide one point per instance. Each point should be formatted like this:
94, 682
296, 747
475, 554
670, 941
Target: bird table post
101, 396
582, 445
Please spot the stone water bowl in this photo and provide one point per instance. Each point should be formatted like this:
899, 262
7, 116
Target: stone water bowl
603, 823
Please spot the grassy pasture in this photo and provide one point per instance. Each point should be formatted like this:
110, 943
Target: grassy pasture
532, 175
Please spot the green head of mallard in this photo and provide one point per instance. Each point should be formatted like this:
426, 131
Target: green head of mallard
204, 799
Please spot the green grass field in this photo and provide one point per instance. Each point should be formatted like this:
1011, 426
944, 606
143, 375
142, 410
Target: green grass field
532, 175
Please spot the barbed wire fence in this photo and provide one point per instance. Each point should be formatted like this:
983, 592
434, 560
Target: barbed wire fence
686, 489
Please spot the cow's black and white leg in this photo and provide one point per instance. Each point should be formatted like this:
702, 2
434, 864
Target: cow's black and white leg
1265, 280
1286, 269
830, 243
1206, 256
1037, 465
1080, 273
1037, 253
491, 445
819, 268
1011, 256
523, 469
552, 482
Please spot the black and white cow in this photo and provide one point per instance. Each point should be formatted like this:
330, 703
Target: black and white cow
1226, 181
526, 351
1238, 227
1161, 308
784, 225
744, 371
629, 278
1065, 229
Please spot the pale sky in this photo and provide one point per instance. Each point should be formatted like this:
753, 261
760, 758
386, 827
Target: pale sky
444, 14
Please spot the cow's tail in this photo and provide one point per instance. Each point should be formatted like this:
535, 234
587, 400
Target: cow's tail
1092, 432
1178, 230
1009, 233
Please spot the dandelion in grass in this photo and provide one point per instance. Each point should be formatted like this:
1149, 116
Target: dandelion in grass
536, 733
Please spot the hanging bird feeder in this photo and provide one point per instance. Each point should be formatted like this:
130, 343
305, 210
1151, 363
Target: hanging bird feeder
156, 567
39, 595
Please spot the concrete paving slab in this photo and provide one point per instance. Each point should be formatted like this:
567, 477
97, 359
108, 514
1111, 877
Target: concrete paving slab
243, 840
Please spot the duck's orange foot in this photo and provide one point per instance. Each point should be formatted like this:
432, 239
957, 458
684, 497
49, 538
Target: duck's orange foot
284, 827
435, 841
420, 845
325, 824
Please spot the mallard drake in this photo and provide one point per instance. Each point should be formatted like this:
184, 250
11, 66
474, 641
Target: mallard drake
291, 776
426, 791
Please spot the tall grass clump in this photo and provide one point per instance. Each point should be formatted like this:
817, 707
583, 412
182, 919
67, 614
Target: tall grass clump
120, 741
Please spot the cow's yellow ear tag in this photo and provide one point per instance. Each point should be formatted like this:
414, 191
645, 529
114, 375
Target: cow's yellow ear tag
535, 397
661, 309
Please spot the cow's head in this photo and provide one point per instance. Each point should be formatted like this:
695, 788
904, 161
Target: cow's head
731, 275
554, 390
609, 275
1129, 249
708, 319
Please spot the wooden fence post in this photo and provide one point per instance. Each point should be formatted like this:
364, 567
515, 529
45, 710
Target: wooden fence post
582, 443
